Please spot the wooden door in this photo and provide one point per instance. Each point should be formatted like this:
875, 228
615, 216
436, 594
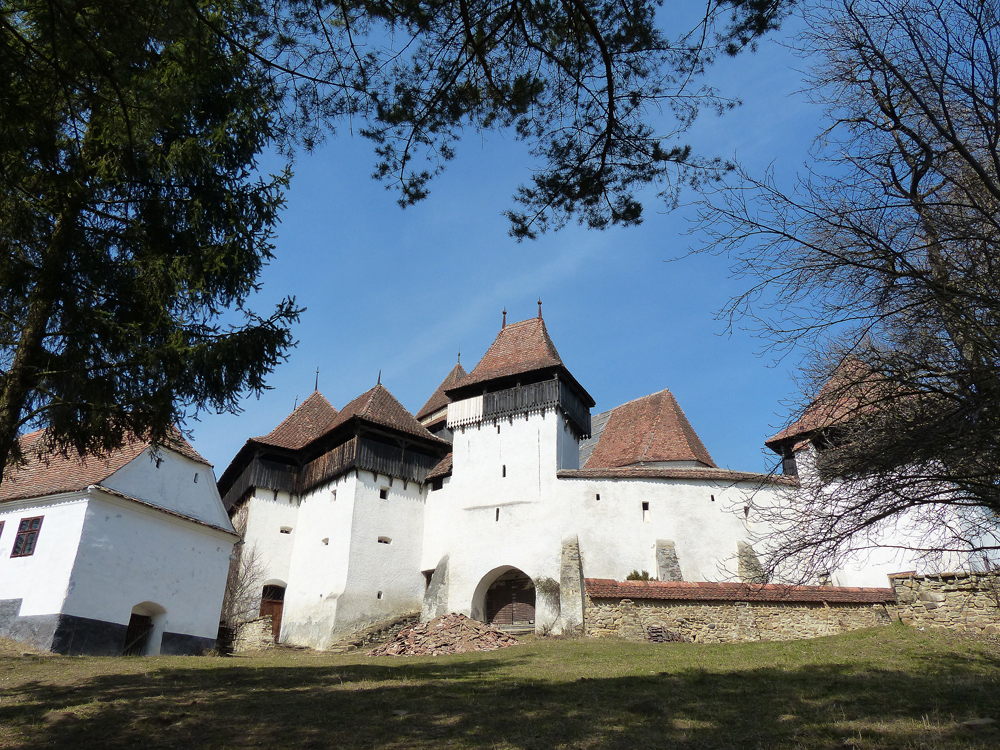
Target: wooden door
510, 600
137, 635
271, 603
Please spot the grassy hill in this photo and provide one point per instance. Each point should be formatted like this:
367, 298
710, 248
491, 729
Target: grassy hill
892, 687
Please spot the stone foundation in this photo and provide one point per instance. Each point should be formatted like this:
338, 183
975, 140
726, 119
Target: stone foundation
958, 601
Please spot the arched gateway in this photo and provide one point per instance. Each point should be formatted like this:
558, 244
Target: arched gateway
510, 600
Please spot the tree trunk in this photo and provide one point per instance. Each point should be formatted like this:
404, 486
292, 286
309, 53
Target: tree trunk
23, 375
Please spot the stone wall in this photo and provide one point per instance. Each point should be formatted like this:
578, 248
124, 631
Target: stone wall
958, 601
729, 622
730, 612
254, 635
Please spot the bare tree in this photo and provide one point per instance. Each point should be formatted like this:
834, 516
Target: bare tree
246, 575
882, 265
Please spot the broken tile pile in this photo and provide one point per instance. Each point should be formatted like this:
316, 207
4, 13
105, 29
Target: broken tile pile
448, 634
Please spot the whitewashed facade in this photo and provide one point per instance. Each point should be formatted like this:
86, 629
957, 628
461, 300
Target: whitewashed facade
139, 539
509, 511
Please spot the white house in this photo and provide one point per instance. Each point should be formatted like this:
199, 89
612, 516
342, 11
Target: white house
123, 554
496, 503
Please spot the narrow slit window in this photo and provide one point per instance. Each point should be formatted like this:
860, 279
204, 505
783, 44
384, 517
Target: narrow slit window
383, 493
196, 477
378, 595
598, 496
713, 498
503, 472
645, 512
498, 514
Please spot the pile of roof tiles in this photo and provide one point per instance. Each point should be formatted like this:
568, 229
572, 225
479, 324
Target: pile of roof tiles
448, 634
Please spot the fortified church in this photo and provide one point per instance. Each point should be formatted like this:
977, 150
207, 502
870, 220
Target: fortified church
495, 500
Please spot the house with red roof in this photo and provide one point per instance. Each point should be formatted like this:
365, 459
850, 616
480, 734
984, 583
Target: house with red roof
125, 553
496, 500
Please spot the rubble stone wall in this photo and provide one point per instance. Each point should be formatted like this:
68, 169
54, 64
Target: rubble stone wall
958, 601
728, 622
254, 635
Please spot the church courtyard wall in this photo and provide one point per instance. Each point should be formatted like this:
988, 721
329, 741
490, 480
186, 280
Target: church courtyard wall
725, 613
957, 601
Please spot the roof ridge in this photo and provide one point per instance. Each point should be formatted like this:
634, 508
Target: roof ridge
652, 428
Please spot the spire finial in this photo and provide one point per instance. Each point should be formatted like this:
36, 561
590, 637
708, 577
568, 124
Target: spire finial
316, 387
539, 308
504, 317
460, 356
379, 378
296, 404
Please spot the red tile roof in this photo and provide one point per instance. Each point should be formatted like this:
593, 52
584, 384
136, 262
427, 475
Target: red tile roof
310, 420
604, 588
518, 348
648, 430
49, 472
686, 473
439, 398
840, 397
443, 468
380, 407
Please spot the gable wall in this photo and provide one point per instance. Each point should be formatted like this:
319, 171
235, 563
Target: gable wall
172, 485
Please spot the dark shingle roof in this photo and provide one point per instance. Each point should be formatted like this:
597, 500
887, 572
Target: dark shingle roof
442, 469
518, 348
439, 399
648, 430
380, 407
603, 588
49, 472
310, 420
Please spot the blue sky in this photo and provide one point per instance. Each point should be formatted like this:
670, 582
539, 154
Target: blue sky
402, 291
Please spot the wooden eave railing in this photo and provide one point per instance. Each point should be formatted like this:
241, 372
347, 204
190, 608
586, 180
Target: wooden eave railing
528, 399
357, 453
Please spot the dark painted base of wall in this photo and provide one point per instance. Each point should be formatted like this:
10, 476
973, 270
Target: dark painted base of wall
72, 635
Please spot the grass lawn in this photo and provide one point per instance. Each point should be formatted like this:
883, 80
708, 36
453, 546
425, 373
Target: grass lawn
888, 687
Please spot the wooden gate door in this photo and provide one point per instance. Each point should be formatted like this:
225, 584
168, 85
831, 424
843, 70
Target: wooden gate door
271, 603
510, 600
137, 635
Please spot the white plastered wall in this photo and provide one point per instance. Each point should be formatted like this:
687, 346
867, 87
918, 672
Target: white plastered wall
339, 566
268, 512
171, 481
41, 579
317, 570
887, 552
487, 522
129, 554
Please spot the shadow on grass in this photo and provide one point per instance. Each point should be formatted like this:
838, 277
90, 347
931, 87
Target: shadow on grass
474, 704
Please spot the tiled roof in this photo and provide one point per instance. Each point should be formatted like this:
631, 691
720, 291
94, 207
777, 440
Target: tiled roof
518, 348
839, 398
692, 473
439, 398
49, 472
648, 430
310, 420
604, 588
380, 407
443, 468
